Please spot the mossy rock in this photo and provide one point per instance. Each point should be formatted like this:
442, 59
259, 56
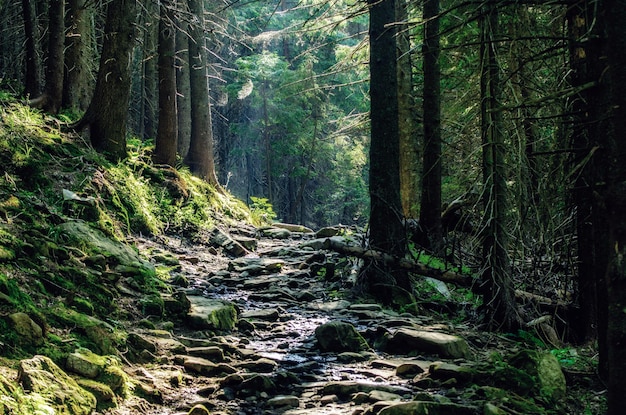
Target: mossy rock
105, 396
544, 369
338, 336
41, 377
212, 314
95, 241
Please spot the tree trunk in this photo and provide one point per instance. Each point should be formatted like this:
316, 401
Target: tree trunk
150, 79
52, 97
409, 134
78, 56
200, 158
387, 232
589, 128
32, 82
430, 211
183, 100
166, 140
496, 284
616, 204
107, 114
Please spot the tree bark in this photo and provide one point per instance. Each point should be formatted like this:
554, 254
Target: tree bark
430, 211
408, 125
52, 97
387, 233
32, 83
183, 100
150, 79
107, 114
615, 202
77, 85
166, 140
200, 157
496, 284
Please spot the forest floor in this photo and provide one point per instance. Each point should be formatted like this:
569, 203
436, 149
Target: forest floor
271, 363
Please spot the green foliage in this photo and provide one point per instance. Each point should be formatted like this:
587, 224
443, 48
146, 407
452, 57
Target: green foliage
262, 209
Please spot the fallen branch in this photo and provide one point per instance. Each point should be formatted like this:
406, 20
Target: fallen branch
416, 267
541, 300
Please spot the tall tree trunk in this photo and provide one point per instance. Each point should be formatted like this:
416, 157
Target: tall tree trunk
409, 134
430, 211
78, 56
150, 71
387, 232
183, 97
589, 128
615, 201
107, 114
166, 140
496, 284
200, 157
32, 82
52, 97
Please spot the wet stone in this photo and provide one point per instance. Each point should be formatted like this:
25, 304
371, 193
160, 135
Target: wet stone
268, 314
284, 401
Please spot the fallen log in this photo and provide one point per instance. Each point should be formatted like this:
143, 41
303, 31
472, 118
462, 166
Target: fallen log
404, 263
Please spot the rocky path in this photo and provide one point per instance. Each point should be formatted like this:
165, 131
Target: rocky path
271, 329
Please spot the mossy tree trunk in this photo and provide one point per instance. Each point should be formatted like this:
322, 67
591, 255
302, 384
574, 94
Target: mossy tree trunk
408, 125
107, 114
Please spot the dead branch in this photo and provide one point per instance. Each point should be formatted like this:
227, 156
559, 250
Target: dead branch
416, 267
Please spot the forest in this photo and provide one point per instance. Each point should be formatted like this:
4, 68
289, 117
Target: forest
474, 143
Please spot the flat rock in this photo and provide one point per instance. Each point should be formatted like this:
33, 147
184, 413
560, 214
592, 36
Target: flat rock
407, 341
293, 227
211, 314
266, 314
256, 266
219, 238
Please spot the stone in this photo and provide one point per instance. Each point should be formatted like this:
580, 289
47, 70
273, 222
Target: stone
267, 314
115, 252
219, 238
427, 408
408, 341
444, 371
283, 401
85, 363
213, 353
349, 388
103, 393
293, 227
378, 395
338, 336
203, 366
262, 365
408, 370
544, 369
276, 233
206, 313
58, 391
256, 266
30, 332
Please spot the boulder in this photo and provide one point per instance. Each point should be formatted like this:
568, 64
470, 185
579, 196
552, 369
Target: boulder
276, 233
544, 369
409, 341
338, 336
291, 227
283, 401
207, 313
30, 333
116, 253
41, 376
